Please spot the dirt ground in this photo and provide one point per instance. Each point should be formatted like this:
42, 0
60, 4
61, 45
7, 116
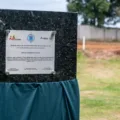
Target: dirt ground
104, 50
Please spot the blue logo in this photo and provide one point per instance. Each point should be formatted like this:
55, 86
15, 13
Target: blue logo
31, 37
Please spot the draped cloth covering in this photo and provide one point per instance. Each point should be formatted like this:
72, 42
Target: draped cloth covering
39, 101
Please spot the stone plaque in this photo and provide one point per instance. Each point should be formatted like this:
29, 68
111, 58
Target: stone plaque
23, 25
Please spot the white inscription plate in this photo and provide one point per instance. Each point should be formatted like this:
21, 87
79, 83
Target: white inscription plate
30, 52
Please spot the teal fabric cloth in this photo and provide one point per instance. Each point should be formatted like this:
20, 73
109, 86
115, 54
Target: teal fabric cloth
39, 101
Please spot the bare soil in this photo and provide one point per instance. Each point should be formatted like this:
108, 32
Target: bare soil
101, 50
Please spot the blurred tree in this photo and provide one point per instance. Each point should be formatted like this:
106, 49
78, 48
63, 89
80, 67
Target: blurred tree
93, 12
114, 12
118, 11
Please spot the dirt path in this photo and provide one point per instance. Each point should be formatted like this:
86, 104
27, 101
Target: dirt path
101, 49
111, 46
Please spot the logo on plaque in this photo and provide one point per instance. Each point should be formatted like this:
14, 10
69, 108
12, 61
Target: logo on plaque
13, 37
31, 38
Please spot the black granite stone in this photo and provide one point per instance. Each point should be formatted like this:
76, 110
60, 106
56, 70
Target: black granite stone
65, 47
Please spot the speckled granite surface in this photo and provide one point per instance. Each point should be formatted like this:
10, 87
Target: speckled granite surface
65, 47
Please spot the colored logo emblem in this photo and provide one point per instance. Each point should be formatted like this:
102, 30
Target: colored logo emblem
31, 37
12, 37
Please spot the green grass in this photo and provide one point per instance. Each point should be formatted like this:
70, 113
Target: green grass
99, 82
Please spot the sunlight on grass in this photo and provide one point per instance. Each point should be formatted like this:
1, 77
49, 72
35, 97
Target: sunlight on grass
99, 82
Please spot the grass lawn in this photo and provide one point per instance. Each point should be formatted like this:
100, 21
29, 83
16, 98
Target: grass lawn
99, 82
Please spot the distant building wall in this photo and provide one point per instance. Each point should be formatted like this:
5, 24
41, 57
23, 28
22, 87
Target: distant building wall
98, 34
